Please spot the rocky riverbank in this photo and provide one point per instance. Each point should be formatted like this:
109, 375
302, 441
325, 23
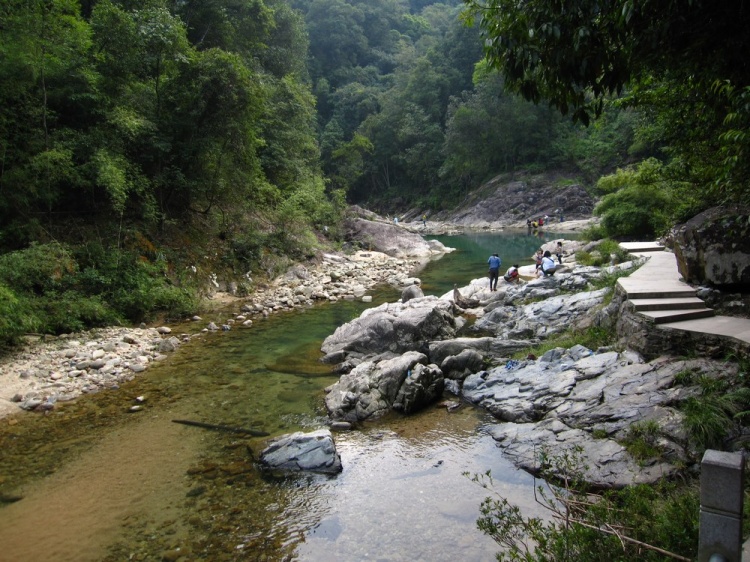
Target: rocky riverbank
48, 370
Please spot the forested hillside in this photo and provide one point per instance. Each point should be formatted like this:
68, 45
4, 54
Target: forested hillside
136, 135
145, 144
409, 114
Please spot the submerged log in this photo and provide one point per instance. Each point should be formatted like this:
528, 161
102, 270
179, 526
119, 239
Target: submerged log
227, 428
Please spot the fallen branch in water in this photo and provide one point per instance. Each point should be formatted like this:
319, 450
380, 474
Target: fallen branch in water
227, 428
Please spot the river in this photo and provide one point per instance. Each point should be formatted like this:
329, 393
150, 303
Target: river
102, 484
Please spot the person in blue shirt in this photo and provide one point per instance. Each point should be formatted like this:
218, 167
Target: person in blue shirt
494, 263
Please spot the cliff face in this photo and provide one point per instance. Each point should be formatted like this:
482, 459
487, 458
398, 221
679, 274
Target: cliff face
511, 199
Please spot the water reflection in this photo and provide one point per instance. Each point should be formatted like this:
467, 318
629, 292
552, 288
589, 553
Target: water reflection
403, 494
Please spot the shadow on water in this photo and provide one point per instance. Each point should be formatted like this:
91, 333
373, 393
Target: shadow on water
99, 483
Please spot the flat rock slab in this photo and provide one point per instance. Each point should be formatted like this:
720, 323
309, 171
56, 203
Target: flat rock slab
608, 463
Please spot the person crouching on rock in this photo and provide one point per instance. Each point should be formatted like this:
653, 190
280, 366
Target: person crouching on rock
494, 272
548, 264
511, 276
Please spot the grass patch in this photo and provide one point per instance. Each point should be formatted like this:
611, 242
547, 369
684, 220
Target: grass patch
593, 338
599, 434
641, 440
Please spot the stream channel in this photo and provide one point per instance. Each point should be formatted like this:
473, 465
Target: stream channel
101, 484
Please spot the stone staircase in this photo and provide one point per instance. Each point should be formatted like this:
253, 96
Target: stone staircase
656, 290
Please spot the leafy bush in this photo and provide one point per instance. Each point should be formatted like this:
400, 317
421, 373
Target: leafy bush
639, 202
38, 269
16, 317
52, 288
594, 232
638, 523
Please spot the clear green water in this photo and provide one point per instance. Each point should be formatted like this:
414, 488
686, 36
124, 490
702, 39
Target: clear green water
103, 484
469, 261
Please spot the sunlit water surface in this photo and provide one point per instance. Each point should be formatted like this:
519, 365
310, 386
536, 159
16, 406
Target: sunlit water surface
99, 483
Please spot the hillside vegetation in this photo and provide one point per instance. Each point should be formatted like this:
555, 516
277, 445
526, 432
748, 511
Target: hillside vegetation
146, 144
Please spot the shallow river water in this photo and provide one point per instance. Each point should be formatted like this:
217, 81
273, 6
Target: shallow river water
99, 483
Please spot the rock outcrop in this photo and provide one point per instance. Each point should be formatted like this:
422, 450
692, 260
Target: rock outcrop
373, 388
579, 398
390, 239
392, 327
711, 248
509, 199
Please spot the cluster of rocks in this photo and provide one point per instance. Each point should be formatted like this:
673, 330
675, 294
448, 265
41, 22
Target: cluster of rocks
63, 368
578, 398
403, 356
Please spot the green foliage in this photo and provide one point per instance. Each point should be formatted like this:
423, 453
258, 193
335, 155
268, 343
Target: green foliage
664, 59
51, 289
639, 202
603, 254
712, 416
16, 318
641, 440
637, 523
594, 232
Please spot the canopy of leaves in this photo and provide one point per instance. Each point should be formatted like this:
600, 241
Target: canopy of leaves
682, 62
147, 112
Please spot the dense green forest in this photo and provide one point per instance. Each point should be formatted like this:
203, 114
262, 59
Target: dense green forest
145, 143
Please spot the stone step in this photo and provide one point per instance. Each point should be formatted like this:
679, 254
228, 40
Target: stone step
665, 316
642, 246
668, 303
675, 292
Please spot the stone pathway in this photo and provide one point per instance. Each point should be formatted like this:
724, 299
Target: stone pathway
658, 292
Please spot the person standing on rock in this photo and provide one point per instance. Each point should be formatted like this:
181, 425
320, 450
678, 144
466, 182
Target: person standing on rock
494, 262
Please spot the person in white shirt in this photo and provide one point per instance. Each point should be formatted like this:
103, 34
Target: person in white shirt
548, 264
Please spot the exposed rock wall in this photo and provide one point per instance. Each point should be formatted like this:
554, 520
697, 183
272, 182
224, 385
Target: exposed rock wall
712, 248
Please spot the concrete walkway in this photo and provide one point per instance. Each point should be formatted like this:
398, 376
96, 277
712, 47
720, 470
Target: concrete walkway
658, 292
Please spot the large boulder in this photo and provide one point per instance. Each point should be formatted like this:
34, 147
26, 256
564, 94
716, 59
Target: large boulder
389, 239
540, 319
439, 351
296, 452
393, 327
413, 291
373, 388
711, 248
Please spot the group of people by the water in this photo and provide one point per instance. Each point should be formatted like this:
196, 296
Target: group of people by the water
541, 221
545, 266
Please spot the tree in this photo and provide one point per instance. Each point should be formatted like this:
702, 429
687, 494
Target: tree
683, 60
